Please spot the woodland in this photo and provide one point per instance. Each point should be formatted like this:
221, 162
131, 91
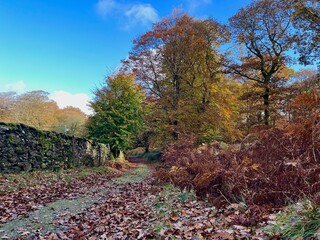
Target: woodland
227, 119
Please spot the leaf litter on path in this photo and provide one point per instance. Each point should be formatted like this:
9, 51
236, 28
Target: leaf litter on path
127, 207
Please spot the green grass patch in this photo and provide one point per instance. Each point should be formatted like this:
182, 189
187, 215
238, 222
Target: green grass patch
135, 175
298, 221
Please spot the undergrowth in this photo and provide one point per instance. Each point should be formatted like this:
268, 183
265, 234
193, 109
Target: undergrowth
277, 167
298, 221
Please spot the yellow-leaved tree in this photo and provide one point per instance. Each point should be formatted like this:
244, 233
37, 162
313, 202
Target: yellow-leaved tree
178, 63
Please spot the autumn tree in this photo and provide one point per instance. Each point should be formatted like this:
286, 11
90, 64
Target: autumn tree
305, 92
32, 108
264, 28
306, 20
36, 109
118, 114
71, 121
7, 106
280, 91
178, 63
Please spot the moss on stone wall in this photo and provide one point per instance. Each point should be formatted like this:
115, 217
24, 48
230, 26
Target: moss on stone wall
24, 148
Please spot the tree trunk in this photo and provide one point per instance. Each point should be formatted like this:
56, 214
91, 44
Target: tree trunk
176, 98
147, 148
266, 105
175, 133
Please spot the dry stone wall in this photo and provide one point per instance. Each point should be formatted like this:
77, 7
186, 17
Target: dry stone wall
24, 148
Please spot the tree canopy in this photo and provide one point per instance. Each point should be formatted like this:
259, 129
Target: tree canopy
180, 80
306, 20
118, 112
178, 64
264, 28
37, 110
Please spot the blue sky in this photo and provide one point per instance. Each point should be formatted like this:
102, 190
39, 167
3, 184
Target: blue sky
67, 47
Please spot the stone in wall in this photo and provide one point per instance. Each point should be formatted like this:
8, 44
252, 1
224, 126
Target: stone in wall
24, 148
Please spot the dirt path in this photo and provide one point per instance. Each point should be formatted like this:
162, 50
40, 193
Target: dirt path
131, 207
43, 220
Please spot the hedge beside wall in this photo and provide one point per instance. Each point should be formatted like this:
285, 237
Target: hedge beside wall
24, 148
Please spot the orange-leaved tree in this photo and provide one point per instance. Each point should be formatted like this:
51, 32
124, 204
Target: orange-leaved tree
178, 63
36, 109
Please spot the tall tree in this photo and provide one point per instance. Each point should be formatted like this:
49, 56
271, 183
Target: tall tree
36, 109
118, 113
178, 63
306, 20
264, 28
253, 106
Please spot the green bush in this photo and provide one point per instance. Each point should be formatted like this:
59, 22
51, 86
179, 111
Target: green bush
152, 156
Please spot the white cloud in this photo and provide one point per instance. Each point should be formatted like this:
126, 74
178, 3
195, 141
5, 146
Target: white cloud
79, 100
193, 5
18, 87
104, 7
129, 15
142, 13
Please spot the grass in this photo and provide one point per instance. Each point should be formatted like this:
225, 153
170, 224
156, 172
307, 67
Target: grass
136, 175
13, 182
298, 221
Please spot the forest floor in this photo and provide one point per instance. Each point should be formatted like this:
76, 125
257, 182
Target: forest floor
107, 205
